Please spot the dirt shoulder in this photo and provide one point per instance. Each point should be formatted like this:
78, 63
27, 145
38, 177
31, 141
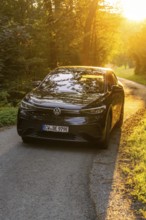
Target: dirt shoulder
107, 185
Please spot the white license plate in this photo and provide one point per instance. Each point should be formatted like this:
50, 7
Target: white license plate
54, 128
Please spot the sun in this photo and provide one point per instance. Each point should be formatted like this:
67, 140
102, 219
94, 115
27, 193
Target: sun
132, 9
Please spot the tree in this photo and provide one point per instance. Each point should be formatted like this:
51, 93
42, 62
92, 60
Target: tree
91, 16
137, 49
100, 33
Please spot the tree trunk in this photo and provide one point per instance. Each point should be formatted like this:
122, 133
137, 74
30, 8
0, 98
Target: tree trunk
87, 33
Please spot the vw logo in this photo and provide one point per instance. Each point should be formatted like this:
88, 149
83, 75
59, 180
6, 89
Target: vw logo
57, 111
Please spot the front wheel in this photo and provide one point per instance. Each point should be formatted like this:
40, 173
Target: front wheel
105, 141
120, 121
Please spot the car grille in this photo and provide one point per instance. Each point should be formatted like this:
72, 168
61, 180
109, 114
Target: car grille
48, 114
41, 115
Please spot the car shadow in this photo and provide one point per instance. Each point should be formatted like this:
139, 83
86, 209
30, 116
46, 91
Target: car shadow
61, 146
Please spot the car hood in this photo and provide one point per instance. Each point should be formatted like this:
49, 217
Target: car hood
44, 99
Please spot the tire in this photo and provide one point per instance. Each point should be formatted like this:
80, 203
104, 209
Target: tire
105, 141
25, 139
120, 121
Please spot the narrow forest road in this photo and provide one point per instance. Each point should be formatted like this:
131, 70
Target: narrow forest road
58, 181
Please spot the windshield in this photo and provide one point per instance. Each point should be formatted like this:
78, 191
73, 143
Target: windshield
74, 81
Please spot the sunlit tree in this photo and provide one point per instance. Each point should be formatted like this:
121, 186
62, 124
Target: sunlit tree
137, 49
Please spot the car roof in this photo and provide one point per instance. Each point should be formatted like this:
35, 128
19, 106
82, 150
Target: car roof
99, 69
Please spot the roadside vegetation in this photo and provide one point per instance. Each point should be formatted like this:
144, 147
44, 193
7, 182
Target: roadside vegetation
135, 151
135, 168
128, 73
8, 116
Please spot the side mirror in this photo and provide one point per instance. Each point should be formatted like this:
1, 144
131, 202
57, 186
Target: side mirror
116, 88
36, 83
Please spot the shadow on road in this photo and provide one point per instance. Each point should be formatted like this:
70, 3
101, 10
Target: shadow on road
104, 177
61, 146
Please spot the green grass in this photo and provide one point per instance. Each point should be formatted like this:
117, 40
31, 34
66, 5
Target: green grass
8, 116
136, 170
129, 74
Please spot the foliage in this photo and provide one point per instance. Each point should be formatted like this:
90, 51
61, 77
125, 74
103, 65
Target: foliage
138, 51
136, 173
121, 57
131, 51
7, 116
3, 98
17, 45
128, 73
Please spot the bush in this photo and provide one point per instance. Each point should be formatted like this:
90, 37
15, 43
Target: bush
8, 116
3, 98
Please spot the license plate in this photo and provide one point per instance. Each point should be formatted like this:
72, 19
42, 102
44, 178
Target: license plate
54, 128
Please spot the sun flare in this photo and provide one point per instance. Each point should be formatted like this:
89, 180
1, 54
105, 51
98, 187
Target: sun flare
132, 9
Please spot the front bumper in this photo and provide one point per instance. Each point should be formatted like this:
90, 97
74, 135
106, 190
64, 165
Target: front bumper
81, 128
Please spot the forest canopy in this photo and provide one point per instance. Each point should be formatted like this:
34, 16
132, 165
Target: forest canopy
38, 35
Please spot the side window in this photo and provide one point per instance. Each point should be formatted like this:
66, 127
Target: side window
111, 80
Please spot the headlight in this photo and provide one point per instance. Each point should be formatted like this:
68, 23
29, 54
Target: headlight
26, 105
94, 111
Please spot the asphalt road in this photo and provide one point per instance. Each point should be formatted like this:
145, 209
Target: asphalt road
50, 181
44, 181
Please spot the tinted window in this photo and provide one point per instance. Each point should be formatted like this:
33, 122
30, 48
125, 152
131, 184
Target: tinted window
74, 81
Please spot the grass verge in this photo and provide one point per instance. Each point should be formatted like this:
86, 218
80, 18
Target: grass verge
135, 168
129, 74
8, 116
